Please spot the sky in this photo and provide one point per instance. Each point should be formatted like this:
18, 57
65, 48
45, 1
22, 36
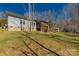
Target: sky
38, 7
19, 7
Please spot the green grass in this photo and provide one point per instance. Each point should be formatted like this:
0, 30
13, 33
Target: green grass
62, 43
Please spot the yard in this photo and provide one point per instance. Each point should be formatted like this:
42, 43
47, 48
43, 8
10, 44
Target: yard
11, 43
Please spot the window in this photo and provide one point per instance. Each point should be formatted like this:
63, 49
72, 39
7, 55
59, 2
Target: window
20, 21
23, 21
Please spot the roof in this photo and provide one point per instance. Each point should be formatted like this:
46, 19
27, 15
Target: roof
7, 13
41, 21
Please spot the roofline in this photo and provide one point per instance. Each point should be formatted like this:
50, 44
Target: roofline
7, 13
42, 21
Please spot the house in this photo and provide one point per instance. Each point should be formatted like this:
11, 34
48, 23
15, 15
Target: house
42, 26
15, 22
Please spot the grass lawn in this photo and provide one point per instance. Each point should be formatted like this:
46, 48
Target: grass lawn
62, 43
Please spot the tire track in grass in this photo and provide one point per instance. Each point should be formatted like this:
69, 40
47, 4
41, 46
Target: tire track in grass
27, 35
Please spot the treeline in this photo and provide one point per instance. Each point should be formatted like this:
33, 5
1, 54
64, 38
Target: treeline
46, 16
2, 23
68, 20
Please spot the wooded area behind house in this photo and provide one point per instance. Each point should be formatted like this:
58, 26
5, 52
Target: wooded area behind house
69, 19
66, 21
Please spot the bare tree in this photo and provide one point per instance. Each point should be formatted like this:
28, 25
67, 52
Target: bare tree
50, 21
71, 18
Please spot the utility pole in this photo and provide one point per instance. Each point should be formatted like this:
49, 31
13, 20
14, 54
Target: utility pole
30, 15
33, 11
